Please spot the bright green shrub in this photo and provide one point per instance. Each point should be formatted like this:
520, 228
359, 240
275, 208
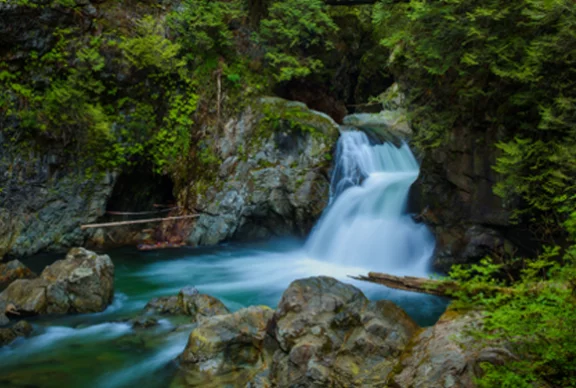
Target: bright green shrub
535, 319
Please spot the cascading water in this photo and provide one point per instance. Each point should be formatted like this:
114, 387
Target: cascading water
366, 224
365, 228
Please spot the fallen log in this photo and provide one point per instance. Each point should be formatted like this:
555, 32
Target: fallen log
122, 223
410, 283
436, 287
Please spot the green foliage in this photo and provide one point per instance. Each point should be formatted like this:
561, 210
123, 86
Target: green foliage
295, 32
68, 98
204, 26
535, 318
504, 66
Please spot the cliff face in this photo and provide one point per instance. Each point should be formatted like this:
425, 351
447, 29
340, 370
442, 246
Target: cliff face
43, 202
455, 197
273, 178
45, 191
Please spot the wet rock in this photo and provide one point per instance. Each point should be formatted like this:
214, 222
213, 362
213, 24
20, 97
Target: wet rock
20, 329
227, 349
14, 270
273, 176
324, 333
143, 322
455, 197
446, 356
389, 125
188, 302
83, 282
330, 335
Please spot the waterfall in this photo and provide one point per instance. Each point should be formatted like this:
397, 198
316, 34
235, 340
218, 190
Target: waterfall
366, 223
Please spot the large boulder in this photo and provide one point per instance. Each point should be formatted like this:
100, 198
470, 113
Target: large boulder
14, 270
272, 178
227, 349
447, 355
331, 335
324, 333
188, 302
81, 283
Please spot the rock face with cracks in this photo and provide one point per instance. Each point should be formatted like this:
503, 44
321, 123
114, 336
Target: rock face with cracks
325, 333
273, 178
81, 283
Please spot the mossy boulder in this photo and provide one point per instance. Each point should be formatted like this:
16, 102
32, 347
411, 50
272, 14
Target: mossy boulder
272, 179
81, 283
447, 355
331, 335
226, 350
324, 333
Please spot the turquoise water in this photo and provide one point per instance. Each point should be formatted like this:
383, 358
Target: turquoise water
102, 350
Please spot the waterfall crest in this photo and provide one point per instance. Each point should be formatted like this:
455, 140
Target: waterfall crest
366, 223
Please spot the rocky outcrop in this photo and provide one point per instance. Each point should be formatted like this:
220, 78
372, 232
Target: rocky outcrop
388, 125
14, 270
324, 333
455, 191
9, 334
273, 179
43, 203
446, 355
188, 302
330, 335
227, 349
44, 195
81, 283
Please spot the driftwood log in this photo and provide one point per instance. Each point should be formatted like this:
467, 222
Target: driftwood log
409, 283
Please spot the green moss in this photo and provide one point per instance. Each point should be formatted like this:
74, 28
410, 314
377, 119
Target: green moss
295, 118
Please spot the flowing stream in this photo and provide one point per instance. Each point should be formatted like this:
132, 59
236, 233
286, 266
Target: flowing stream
365, 228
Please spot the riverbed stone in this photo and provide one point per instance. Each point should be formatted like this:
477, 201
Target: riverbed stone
190, 302
227, 350
329, 334
81, 283
9, 334
324, 333
14, 270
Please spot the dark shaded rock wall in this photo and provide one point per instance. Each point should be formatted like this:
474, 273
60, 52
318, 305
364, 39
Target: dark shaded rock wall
455, 196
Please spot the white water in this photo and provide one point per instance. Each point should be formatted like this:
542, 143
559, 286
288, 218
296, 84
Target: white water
366, 224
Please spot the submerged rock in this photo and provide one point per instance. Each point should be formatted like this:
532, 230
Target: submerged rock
81, 283
20, 329
188, 302
14, 270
